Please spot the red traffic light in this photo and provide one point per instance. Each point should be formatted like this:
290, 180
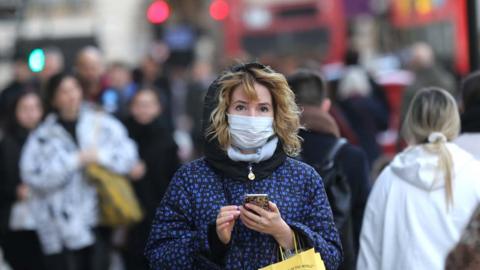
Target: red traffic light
219, 10
158, 12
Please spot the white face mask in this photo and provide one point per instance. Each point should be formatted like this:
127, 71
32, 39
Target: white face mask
250, 132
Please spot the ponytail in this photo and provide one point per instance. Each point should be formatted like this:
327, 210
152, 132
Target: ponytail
437, 143
433, 119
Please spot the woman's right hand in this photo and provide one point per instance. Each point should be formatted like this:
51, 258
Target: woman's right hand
138, 171
22, 192
88, 156
225, 221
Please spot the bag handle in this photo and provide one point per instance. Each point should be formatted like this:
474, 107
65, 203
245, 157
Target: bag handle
96, 135
329, 161
294, 244
96, 128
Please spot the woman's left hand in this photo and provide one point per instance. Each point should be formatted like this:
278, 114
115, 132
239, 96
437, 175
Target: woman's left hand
22, 192
269, 222
138, 171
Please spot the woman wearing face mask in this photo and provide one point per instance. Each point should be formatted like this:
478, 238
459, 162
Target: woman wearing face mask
251, 123
65, 208
17, 227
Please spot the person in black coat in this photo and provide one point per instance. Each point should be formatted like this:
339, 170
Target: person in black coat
320, 135
364, 104
17, 229
22, 78
470, 114
158, 153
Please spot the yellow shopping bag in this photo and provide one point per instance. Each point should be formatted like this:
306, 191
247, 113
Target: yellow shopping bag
117, 200
306, 260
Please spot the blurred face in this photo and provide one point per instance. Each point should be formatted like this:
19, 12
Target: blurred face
68, 98
202, 71
21, 71
119, 78
90, 67
29, 111
241, 105
53, 65
145, 107
150, 69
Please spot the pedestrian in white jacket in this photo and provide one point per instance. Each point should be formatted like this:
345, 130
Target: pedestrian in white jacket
423, 200
63, 201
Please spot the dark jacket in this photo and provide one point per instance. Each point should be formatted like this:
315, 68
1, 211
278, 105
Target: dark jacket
8, 97
471, 119
158, 150
353, 163
10, 149
196, 94
367, 117
318, 139
183, 233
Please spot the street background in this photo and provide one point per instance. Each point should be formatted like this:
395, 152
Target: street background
183, 44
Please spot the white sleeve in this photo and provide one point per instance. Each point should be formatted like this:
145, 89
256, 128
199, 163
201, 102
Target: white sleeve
45, 165
371, 236
116, 151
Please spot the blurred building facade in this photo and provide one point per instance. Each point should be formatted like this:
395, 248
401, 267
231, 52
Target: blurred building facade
123, 33
120, 29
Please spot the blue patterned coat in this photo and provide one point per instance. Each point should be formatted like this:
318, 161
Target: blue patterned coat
179, 236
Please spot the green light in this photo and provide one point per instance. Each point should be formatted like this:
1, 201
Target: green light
36, 60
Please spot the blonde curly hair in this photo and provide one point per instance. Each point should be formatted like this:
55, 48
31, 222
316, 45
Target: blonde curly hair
286, 113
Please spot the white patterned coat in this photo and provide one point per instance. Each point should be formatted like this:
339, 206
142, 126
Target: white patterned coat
64, 203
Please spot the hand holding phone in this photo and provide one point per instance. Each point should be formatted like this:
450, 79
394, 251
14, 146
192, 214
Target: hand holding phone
269, 221
260, 200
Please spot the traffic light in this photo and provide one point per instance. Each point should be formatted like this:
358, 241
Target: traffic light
36, 60
219, 10
158, 12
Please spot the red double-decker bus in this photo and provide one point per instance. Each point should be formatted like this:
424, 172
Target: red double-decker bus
440, 23
305, 28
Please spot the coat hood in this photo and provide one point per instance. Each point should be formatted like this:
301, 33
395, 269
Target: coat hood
218, 159
313, 118
419, 167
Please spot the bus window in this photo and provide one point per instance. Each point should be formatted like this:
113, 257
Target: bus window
314, 41
306, 28
442, 24
436, 34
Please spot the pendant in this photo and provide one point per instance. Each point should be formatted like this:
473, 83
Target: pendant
251, 175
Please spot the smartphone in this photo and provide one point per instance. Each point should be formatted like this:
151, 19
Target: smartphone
257, 199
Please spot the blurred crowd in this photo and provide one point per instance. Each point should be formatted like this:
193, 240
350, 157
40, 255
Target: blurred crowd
145, 121
55, 123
